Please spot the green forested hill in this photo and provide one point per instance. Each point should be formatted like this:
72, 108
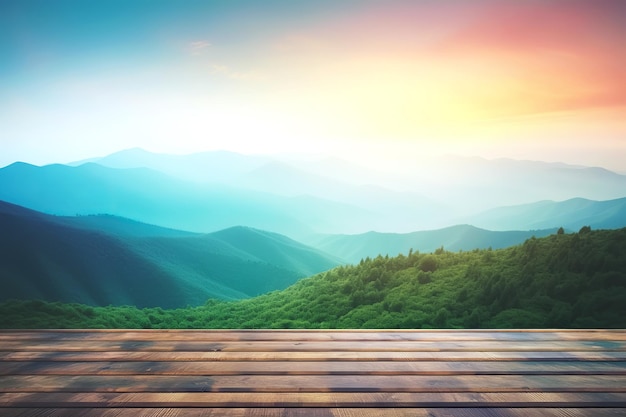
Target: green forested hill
572, 214
460, 237
563, 280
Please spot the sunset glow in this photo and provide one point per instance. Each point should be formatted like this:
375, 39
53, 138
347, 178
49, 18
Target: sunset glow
539, 80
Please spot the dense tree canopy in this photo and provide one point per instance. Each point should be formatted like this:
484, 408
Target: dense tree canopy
564, 280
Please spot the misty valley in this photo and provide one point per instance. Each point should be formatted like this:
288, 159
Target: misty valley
226, 240
281, 208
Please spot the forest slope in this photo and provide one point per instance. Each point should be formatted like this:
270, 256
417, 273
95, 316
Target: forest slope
563, 280
353, 248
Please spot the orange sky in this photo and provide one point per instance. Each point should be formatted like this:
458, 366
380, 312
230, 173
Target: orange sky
534, 79
426, 66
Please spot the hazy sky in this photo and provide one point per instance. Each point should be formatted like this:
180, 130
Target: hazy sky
393, 80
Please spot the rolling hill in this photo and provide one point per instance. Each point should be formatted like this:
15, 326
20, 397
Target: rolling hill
475, 184
571, 214
63, 259
574, 280
308, 182
119, 226
436, 188
353, 248
152, 197
212, 191
209, 167
230, 167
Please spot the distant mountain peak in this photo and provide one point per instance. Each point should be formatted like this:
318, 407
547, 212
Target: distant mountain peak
133, 151
19, 164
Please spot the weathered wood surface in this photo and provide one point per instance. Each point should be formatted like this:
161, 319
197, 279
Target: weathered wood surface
313, 373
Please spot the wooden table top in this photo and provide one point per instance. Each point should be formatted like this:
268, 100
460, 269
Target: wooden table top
429, 373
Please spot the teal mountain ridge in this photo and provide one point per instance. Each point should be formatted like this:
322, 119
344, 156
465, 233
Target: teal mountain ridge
276, 196
571, 214
118, 261
437, 186
353, 248
152, 197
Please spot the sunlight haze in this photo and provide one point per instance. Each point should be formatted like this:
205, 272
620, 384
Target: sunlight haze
368, 81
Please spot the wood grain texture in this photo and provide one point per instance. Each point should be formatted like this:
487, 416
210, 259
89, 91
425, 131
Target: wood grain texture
307, 399
312, 335
344, 373
308, 346
313, 412
213, 368
126, 356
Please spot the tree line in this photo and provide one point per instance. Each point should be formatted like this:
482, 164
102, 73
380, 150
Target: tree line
575, 280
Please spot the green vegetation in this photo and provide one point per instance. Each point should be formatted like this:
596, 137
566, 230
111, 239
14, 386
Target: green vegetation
353, 248
563, 280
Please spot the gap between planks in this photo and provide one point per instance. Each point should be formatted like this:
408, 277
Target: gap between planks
314, 412
365, 400
314, 335
503, 369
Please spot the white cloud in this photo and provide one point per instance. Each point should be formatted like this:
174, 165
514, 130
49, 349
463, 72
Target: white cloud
198, 47
235, 75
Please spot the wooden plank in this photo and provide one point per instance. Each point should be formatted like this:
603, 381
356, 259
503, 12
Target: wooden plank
325, 373
314, 412
311, 356
334, 399
333, 346
313, 368
313, 383
311, 335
